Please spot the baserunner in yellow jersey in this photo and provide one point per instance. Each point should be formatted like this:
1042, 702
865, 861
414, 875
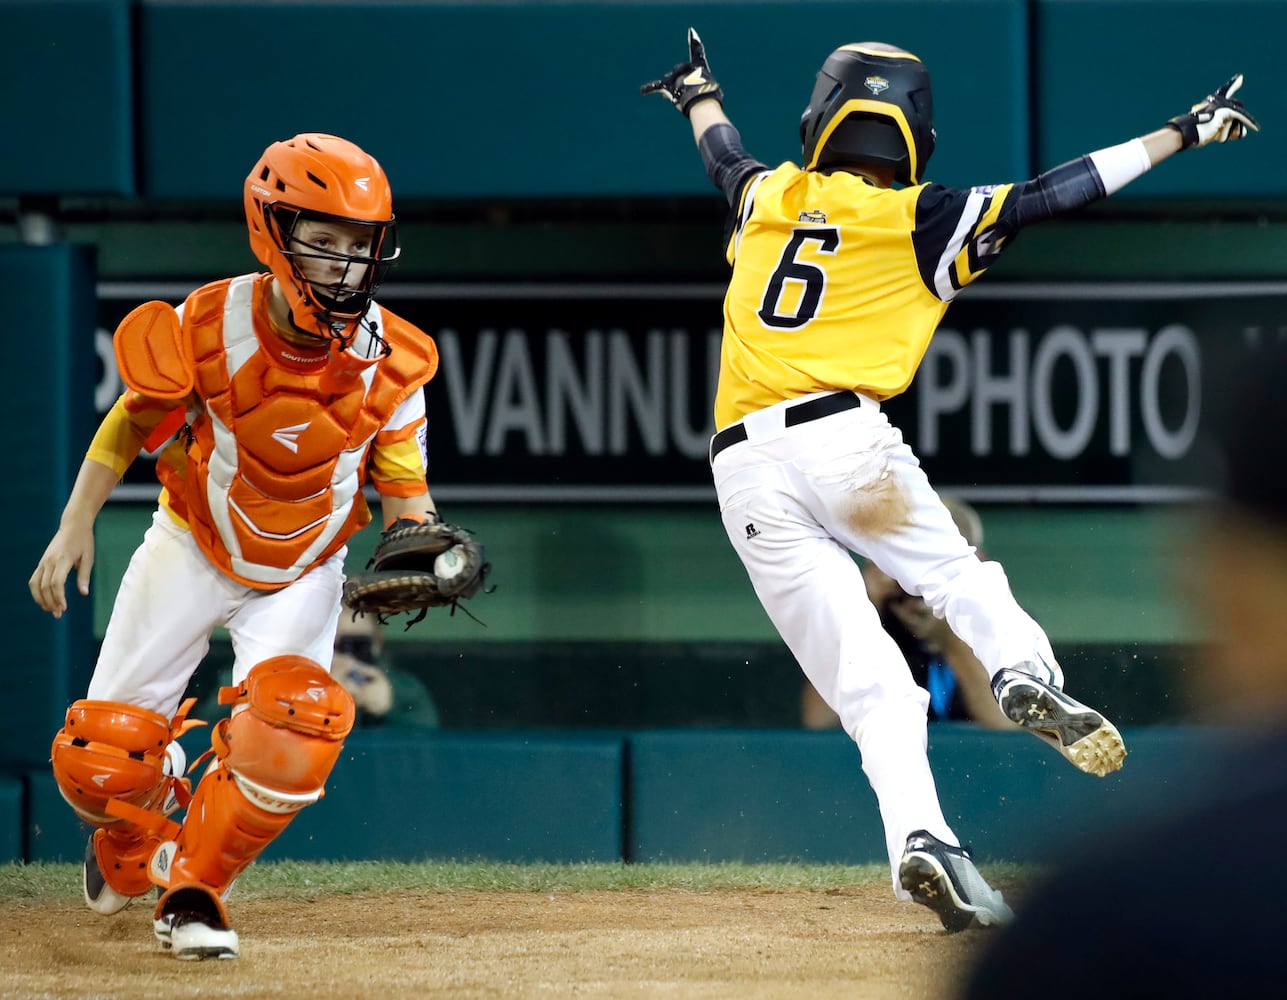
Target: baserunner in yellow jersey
842, 270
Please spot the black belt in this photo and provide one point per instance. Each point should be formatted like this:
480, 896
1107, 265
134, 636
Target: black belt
800, 413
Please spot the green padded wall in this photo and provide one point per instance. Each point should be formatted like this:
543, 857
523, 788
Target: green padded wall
544, 797
760, 797
542, 99
1108, 70
11, 820
458, 103
68, 112
48, 406
674, 796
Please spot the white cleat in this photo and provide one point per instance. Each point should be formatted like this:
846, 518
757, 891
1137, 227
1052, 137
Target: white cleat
192, 927
189, 938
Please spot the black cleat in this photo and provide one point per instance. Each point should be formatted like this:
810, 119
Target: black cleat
99, 896
1081, 734
944, 878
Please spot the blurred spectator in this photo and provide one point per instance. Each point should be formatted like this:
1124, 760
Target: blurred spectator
1190, 904
940, 662
384, 694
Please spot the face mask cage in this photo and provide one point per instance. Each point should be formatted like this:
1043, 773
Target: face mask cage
340, 302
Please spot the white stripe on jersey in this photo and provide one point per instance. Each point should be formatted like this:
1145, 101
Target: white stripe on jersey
748, 203
410, 409
975, 204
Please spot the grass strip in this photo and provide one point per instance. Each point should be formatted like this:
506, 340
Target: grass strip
43, 881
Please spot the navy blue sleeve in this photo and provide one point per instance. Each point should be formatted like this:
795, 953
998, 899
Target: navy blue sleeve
1065, 188
728, 164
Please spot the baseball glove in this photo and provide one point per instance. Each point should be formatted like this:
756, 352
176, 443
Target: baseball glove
417, 566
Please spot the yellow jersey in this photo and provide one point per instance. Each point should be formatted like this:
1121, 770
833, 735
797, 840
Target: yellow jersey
839, 284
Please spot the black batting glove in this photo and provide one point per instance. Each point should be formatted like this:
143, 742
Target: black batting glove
688, 82
1220, 118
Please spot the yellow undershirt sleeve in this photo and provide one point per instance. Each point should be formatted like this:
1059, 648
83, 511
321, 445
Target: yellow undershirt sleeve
397, 466
126, 426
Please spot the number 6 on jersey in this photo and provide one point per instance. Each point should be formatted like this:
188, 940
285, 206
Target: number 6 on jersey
790, 268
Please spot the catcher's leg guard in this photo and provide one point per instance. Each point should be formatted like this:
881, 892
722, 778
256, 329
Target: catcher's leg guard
108, 755
273, 758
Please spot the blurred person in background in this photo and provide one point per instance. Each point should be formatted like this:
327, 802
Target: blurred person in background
1190, 904
384, 694
958, 684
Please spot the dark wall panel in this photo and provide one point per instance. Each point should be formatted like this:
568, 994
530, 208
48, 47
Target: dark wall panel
47, 662
542, 99
1107, 71
67, 116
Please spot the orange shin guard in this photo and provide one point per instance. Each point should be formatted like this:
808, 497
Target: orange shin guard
123, 855
108, 755
273, 758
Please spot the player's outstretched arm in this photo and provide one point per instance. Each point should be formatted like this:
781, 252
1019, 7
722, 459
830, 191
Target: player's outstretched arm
691, 88
1219, 118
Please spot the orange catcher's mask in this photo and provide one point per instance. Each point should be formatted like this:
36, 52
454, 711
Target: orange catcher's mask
299, 188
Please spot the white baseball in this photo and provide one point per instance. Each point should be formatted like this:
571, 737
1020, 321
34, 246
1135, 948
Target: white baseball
449, 563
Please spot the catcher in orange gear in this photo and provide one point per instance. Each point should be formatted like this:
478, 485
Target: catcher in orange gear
282, 394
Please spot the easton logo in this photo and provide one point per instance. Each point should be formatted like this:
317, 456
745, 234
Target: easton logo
288, 437
362, 182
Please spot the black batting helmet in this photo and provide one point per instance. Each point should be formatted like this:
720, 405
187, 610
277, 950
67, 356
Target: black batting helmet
871, 104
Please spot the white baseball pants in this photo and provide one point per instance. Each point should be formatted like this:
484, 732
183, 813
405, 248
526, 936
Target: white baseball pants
796, 502
172, 598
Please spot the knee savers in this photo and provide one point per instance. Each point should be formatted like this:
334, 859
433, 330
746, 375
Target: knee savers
108, 750
274, 756
289, 735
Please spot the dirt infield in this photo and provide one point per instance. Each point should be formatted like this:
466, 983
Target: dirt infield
736, 943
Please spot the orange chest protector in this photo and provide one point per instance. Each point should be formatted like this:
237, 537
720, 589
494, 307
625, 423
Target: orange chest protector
275, 466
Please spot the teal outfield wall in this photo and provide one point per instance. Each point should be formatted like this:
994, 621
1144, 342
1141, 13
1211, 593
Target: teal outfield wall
68, 109
164, 99
1104, 71
50, 412
658, 796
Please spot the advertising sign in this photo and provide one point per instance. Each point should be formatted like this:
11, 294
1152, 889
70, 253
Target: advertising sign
1068, 393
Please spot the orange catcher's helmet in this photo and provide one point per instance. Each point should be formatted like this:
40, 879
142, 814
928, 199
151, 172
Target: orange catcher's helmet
322, 178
